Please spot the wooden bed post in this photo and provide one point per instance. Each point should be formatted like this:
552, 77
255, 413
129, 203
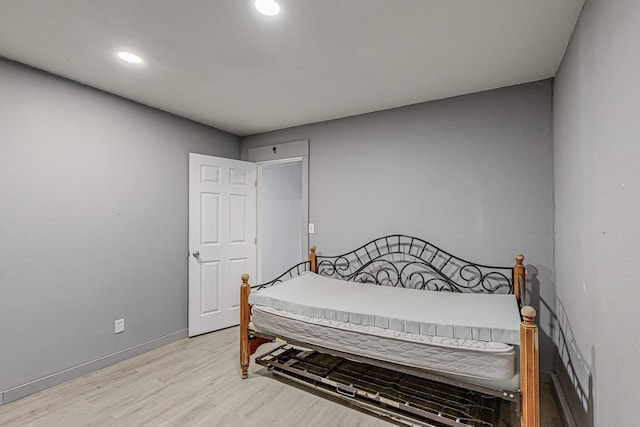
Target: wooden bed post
529, 369
519, 275
312, 259
245, 316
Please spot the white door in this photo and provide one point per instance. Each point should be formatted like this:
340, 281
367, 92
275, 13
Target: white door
222, 233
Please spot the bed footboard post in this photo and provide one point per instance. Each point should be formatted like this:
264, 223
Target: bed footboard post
529, 369
312, 259
245, 315
519, 275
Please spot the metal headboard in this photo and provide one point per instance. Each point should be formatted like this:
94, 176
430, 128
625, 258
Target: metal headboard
294, 271
404, 261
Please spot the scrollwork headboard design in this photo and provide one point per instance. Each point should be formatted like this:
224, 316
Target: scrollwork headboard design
294, 271
405, 261
408, 262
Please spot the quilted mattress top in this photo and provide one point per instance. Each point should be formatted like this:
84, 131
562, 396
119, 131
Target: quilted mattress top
483, 317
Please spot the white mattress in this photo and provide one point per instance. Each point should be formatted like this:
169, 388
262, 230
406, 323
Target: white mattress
481, 317
462, 357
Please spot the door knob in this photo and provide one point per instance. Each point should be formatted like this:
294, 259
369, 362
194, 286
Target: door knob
196, 254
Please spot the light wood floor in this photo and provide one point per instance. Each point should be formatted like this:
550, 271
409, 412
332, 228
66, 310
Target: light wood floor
192, 382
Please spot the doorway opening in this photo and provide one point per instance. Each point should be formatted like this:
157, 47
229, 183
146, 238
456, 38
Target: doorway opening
283, 207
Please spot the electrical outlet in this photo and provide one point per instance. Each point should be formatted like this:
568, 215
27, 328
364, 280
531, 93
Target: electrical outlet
119, 326
312, 228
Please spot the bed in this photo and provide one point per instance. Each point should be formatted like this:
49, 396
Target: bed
401, 303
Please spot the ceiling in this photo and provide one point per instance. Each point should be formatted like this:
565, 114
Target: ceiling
221, 63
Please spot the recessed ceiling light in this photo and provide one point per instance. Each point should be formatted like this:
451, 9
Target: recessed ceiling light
267, 7
129, 57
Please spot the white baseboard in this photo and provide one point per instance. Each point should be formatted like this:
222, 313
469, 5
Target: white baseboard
561, 400
23, 390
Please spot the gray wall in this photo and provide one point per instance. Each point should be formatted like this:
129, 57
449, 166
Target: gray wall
93, 226
472, 174
596, 153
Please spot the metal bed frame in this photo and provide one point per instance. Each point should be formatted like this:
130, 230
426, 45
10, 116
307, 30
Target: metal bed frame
405, 261
401, 396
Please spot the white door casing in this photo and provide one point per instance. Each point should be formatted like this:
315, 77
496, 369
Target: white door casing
222, 239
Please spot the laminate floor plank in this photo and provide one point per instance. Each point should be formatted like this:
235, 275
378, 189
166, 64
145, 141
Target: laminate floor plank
191, 382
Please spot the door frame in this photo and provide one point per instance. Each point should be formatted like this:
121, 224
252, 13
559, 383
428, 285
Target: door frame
286, 152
